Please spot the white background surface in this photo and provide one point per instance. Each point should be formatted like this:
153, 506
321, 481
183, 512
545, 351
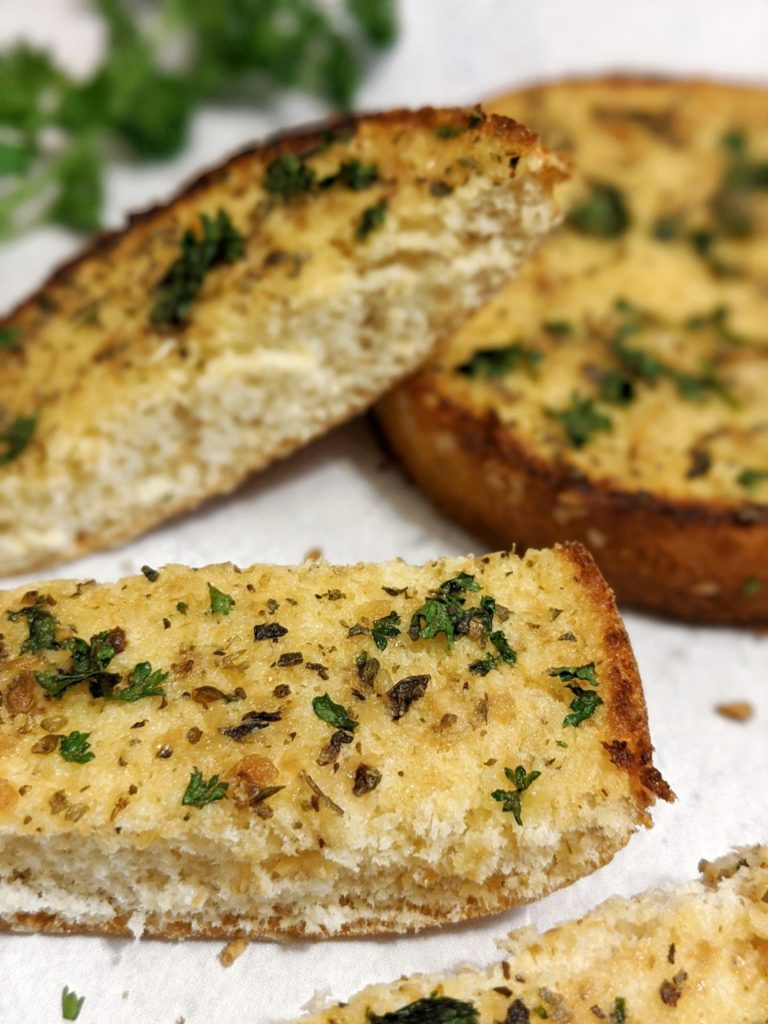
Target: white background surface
342, 496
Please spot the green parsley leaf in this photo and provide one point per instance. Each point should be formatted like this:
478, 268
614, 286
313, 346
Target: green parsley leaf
619, 1015
287, 176
581, 420
199, 792
9, 337
335, 714
76, 748
221, 603
584, 704
182, 607
752, 478
41, 626
384, 628
71, 1004
89, 661
584, 672
603, 215
511, 798
444, 612
377, 19
447, 131
16, 437
175, 292
751, 586
431, 1010
354, 175
558, 328
79, 180
491, 363
142, 682
504, 654
371, 218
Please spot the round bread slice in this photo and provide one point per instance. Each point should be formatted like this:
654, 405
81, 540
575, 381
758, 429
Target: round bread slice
617, 391
684, 954
275, 297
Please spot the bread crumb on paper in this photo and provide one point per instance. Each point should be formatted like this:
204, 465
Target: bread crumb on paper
232, 951
736, 711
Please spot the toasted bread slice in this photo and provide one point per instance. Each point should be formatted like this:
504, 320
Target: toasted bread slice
276, 296
697, 952
322, 757
616, 392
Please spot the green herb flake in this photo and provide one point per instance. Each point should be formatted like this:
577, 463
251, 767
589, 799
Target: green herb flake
142, 682
182, 607
751, 479
491, 363
619, 1014
584, 704
76, 748
617, 388
354, 175
371, 218
541, 1012
504, 654
581, 420
558, 328
41, 626
334, 714
221, 603
443, 612
603, 215
71, 1004
667, 228
511, 798
287, 176
431, 1010
447, 131
15, 438
384, 628
89, 661
586, 673
9, 337
751, 586
220, 243
199, 792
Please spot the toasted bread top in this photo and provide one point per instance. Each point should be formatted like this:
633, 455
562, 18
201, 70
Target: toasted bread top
632, 352
304, 691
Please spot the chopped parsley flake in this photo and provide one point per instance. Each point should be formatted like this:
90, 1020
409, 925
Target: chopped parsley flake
9, 337
603, 215
182, 607
371, 218
751, 586
504, 654
142, 682
581, 419
511, 798
176, 290
584, 672
41, 626
15, 438
71, 1004
89, 661
444, 612
76, 748
447, 131
334, 714
750, 479
491, 363
287, 176
384, 628
584, 704
431, 1010
199, 792
619, 1015
221, 603
354, 175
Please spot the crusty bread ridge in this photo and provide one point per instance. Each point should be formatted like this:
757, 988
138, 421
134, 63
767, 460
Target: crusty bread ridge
659, 326
134, 384
364, 759
688, 954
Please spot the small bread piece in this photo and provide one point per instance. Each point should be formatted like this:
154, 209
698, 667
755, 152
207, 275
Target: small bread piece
615, 393
162, 367
340, 776
688, 954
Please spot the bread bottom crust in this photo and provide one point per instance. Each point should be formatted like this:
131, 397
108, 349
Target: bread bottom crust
698, 562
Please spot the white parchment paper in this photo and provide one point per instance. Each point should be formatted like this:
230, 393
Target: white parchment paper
343, 496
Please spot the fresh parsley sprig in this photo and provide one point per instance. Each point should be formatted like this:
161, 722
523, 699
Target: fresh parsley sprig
511, 798
200, 792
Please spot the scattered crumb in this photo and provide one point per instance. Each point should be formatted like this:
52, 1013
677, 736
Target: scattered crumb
125, 994
737, 710
313, 555
232, 951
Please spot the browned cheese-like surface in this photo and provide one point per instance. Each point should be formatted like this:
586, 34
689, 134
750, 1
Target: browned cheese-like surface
616, 392
397, 793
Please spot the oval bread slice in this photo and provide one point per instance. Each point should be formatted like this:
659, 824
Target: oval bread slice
316, 750
616, 392
275, 297
694, 953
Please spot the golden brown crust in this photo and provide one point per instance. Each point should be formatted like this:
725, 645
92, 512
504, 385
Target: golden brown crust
695, 559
